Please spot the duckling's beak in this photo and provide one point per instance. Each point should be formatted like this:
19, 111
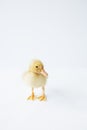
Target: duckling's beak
44, 73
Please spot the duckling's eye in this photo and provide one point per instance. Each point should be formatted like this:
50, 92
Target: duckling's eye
36, 66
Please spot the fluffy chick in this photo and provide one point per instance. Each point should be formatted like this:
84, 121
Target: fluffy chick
36, 77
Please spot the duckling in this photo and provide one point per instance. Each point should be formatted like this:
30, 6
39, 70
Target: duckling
36, 77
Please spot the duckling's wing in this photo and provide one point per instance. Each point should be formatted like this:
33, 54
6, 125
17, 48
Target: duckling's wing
26, 76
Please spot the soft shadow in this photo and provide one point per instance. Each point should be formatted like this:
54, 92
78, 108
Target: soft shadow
67, 97
63, 94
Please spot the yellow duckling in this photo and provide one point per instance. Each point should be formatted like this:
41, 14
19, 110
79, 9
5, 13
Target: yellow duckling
36, 77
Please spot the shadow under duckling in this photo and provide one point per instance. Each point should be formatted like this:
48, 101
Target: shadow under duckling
36, 77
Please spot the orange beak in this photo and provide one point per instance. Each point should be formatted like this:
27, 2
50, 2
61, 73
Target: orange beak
44, 73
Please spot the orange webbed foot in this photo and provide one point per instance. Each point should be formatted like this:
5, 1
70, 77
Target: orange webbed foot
42, 98
32, 97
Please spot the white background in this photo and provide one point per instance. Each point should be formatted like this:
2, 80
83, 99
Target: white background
55, 32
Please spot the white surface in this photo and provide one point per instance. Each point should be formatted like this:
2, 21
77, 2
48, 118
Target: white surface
66, 107
55, 32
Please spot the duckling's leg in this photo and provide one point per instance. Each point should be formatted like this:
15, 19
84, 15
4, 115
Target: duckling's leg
32, 97
43, 97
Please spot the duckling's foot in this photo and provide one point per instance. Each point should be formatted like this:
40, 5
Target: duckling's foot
42, 98
32, 97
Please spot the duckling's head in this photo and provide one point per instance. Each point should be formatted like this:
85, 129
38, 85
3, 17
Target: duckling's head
37, 67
